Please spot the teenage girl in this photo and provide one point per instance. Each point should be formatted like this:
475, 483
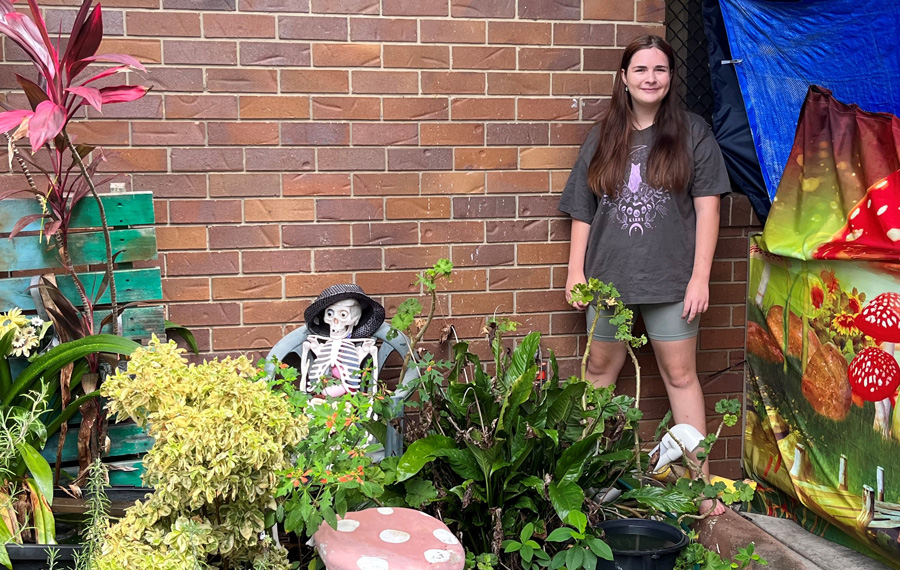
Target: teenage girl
644, 199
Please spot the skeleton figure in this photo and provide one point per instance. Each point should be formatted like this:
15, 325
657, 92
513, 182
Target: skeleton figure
338, 355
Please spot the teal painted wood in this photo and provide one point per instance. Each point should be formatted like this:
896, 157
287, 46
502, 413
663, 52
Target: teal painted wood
138, 323
127, 439
125, 473
130, 209
131, 285
28, 252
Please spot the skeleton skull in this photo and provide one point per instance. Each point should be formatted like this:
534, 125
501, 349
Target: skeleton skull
342, 317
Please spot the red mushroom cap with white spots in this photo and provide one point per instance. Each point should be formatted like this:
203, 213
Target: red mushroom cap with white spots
872, 230
874, 374
880, 318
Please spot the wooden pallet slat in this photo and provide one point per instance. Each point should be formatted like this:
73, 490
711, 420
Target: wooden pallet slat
129, 209
131, 285
24, 253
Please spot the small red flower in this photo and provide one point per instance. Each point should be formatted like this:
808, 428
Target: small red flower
817, 296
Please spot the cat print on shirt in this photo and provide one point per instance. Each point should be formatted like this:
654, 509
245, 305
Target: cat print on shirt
637, 205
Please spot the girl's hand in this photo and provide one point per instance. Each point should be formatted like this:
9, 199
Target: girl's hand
571, 281
696, 299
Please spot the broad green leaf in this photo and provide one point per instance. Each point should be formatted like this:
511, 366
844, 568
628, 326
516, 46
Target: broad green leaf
462, 462
571, 463
559, 560
420, 453
565, 497
44, 524
183, 332
561, 534
563, 404
526, 532
522, 358
518, 394
661, 499
39, 469
420, 492
511, 546
4, 556
484, 457
577, 519
600, 548
574, 557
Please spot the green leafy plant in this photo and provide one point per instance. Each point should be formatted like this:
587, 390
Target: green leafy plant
695, 555
97, 517
222, 438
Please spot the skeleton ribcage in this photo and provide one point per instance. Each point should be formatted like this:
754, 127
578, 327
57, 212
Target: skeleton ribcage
341, 359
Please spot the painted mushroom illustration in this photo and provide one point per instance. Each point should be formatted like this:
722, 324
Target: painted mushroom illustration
880, 319
872, 230
874, 376
768, 260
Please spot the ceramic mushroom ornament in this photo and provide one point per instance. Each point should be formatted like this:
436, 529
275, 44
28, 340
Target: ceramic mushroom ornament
880, 319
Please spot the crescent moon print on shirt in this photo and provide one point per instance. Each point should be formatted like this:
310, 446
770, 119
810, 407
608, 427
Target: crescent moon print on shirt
638, 204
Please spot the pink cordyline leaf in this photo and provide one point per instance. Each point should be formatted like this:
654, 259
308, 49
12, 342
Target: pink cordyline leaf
48, 120
117, 58
24, 222
12, 119
106, 73
84, 39
90, 94
122, 93
23, 31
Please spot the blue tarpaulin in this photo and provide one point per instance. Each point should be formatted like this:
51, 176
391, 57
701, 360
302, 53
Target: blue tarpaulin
847, 46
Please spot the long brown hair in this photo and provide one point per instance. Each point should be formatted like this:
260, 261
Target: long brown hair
669, 164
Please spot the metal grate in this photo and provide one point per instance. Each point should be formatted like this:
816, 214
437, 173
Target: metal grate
684, 32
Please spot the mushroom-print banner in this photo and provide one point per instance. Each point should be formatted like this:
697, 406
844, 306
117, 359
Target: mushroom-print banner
822, 422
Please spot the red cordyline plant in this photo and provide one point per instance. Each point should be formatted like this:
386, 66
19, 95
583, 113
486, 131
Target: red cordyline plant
59, 94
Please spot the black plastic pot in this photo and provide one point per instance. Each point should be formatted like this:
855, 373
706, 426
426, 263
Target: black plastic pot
640, 544
34, 556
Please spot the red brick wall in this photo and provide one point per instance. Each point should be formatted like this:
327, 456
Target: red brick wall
293, 144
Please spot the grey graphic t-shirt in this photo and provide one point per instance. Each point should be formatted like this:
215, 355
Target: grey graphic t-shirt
643, 239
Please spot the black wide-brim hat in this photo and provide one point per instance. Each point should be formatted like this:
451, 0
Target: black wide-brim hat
371, 318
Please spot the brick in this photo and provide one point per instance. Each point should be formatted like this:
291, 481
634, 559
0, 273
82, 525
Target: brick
540, 302
167, 133
200, 52
174, 79
280, 159
279, 210
315, 81
483, 8
626, 33
202, 263
569, 133
582, 84
242, 134
231, 80
609, 59
273, 5
99, 132
315, 134
134, 160
243, 185
518, 83
156, 24
385, 183
609, 10
484, 207
519, 33
541, 253
488, 57
148, 107
348, 55
316, 235
362, 108
518, 278
650, 11
550, 9
557, 59
345, 6
517, 182
509, 231
201, 107
312, 285
244, 338
418, 8
199, 5
731, 247
274, 311
731, 293
315, 184
413, 257
204, 211
274, 107
312, 28
383, 282
145, 51
416, 56
542, 158
385, 134
351, 158
453, 183
279, 261
452, 134
169, 238
721, 338
188, 289
481, 108
420, 159
353, 259
193, 314
382, 30
539, 207
390, 233
452, 31
243, 237
416, 208
547, 109
171, 185
274, 54
517, 134
584, 35
463, 82
344, 209
452, 232
481, 303
592, 109
485, 158
416, 109
560, 230
206, 159
238, 26
378, 82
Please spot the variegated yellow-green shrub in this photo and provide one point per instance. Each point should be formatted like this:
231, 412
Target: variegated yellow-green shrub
221, 440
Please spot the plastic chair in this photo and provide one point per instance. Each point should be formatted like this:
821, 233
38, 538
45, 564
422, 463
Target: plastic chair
292, 344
